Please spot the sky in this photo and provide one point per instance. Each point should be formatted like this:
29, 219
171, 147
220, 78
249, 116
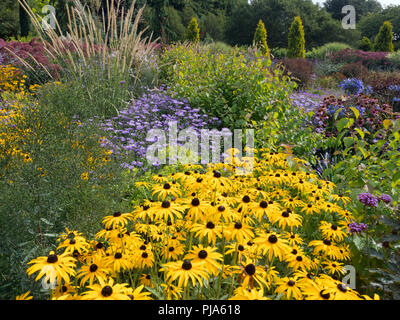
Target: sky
384, 3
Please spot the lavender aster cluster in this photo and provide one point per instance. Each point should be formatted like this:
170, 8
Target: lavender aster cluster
154, 110
368, 199
357, 228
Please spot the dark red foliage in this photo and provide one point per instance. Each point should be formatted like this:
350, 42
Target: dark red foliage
299, 70
354, 70
380, 83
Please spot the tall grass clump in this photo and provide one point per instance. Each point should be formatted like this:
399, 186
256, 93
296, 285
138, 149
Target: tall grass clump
102, 58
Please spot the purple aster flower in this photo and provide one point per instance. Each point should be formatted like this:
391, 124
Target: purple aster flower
368, 199
357, 228
385, 198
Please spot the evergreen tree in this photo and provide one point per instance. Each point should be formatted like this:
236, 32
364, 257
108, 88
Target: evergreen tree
193, 31
384, 39
296, 41
365, 44
260, 38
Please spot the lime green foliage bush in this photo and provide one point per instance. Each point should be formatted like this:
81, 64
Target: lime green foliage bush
384, 39
193, 31
296, 41
260, 38
226, 86
365, 44
394, 58
321, 53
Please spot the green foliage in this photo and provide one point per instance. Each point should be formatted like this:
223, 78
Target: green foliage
365, 44
323, 52
214, 26
277, 16
279, 53
296, 42
260, 39
40, 198
363, 7
384, 39
9, 19
193, 31
369, 25
226, 86
394, 59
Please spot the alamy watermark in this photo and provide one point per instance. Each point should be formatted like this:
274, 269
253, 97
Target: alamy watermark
349, 21
191, 146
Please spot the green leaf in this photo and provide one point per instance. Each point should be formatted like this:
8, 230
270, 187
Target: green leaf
356, 112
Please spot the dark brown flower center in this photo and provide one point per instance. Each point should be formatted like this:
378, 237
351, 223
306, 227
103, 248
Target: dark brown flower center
166, 204
324, 296
327, 242
272, 239
145, 255
195, 202
93, 268
342, 287
250, 269
167, 186
118, 255
52, 258
291, 283
246, 199
263, 204
210, 225
117, 214
221, 208
186, 265
238, 225
202, 254
170, 249
106, 291
217, 174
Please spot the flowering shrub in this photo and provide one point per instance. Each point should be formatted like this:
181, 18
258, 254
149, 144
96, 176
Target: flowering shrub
34, 54
205, 233
365, 112
371, 60
354, 87
154, 110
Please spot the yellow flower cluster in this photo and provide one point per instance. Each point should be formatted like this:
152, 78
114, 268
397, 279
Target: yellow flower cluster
207, 233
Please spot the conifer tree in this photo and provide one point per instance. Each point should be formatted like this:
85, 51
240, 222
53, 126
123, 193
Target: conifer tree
296, 41
193, 31
384, 39
260, 38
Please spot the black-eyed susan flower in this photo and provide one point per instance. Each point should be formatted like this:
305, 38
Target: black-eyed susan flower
173, 250
183, 271
171, 291
289, 287
332, 231
287, 218
326, 247
243, 293
209, 229
53, 267
117, 220
207, 255
293, 238
24, 296
334, 267
95, 269
106, 290
137, 294
272, 245
145, 280
167, 189
238, 231
252, 274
